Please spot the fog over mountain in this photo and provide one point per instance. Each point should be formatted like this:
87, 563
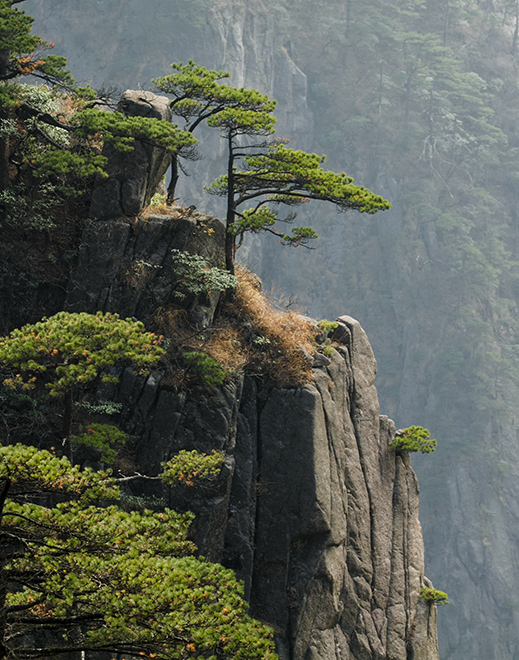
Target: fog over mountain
418, 100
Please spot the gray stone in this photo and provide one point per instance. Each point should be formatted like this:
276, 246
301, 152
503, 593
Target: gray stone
321, 360
134, 176
423, 638
342, 334
138, 103
126, 266
313, 511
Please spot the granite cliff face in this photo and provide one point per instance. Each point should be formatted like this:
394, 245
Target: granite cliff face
313, 511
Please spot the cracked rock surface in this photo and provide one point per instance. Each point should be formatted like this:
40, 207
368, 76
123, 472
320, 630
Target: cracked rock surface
313, 511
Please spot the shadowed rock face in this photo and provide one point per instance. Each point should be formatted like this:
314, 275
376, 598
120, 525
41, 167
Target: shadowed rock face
126, 266
312, 510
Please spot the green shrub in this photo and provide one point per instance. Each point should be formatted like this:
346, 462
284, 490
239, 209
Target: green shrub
434, 596
190, 467
46, 101
327, 326
261, 341
106, 438
414, 438
197, 276
29, 210
208, 370
101, 407
129, 502
158, 199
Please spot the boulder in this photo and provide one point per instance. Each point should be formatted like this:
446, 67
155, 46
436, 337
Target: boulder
135, 176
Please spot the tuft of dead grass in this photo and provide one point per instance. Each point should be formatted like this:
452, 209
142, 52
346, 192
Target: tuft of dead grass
280, 338
160, 209
225, 344
163, 208
249, 335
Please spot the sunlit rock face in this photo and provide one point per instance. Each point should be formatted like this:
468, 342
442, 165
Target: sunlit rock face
314, 512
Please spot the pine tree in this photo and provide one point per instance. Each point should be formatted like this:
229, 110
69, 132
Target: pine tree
275, 175
66, 352
272, 172
77, 576
21, 54
78, 573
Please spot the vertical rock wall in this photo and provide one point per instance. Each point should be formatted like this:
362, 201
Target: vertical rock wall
312, 510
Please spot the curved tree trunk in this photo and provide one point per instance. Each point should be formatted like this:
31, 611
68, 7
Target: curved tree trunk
173, 183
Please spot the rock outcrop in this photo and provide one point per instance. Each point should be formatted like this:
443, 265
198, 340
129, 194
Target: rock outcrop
312, 510
126, 266
134, 176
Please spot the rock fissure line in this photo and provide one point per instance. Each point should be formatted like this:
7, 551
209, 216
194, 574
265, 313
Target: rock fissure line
370, 501
406, 559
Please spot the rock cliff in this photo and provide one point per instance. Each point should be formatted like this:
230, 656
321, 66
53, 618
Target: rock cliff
313, 511
396, 274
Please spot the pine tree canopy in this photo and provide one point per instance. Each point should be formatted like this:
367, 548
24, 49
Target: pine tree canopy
78, 576
69, 349
279, 175
198, 94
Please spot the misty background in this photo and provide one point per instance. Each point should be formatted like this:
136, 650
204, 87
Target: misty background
419, 101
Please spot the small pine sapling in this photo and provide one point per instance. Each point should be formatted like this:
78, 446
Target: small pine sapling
414, 438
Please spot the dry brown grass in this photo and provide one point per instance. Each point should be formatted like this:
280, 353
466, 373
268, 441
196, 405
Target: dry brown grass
249, 335
173, 323
159, 206
225, 344
281, 335
160, 209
